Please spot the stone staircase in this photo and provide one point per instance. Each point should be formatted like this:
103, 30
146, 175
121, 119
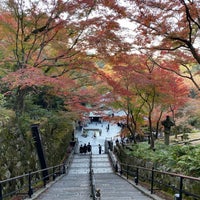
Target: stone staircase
73, 186
111, 185
76, 184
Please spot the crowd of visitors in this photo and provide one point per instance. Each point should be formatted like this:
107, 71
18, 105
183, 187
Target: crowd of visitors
85, 148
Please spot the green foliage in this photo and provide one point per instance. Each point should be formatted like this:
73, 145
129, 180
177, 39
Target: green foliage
16, 149
56, 133
182, 128
5, 114
195, 121
2, 100
18, 153
48, 101
174, 158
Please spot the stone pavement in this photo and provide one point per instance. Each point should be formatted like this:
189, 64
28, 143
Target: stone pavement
111, 134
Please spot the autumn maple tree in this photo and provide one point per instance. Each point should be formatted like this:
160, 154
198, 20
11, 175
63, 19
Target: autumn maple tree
49, 54
56, 44
168, 31
162, 93
145, 91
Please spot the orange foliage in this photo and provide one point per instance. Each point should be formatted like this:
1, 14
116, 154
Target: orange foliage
169, 30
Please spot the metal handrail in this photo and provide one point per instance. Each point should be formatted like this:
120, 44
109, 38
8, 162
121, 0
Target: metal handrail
27, 188
113, 161
92, 179
155, 178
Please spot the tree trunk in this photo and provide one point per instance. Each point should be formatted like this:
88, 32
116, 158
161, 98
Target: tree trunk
157, 124
167, 138
19, 102
152, 143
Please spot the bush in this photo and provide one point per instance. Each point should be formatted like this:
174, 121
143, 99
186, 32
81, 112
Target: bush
182, 128
174, 158
195, 122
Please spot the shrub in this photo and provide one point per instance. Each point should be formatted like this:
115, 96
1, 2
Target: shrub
195, 122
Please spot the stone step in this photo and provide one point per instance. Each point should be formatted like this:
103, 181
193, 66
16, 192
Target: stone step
114, 187
101, 164
111, 185
76, 184
73, 186
80, 164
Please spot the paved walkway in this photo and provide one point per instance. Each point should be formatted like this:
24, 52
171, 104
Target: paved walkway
111, 134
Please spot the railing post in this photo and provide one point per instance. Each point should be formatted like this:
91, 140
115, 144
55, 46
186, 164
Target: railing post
181, 188
127, 171
116, 167
44, 181
121, 169
152, 179
54, 176
64, 169
137, 176
59, 170
1, 195
30, 191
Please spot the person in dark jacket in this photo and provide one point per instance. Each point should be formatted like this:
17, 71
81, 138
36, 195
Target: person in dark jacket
89, 148
99, 149
81, 149
85, 149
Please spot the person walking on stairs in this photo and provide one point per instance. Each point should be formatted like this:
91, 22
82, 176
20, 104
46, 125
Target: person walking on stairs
99, 149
